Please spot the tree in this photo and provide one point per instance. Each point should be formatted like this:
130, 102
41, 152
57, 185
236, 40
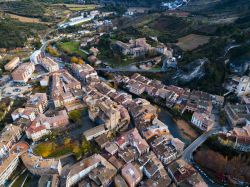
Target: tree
3, 106
76, 150
74, 60
222, 118
52, 51
75, 115
85, 146
44, 149
80, 61
66, 141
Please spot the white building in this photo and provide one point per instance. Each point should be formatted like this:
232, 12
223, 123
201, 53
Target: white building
80, 19
243, 87
7, 167
34, 57
202, 121
44, 81
49, 64
84, 168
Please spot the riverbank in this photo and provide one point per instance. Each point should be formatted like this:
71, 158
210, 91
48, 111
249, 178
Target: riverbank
223, 165
186, 129
178, 127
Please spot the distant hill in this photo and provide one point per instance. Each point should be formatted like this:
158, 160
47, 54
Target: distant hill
148, 3
28, 8
209, 7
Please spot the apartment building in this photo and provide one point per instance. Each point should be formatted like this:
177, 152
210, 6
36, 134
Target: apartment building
85, 73
8, 166
132, 174
12, 64
26, 113
183, 174
237, 114
94, 167
9, 136
136, 87
63, 84
238, 138
23, 73
132, 138
38, 101
43, 125
243, 87
49, 64
40, 166
202, 120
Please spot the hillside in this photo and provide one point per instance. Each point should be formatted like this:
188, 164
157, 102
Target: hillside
218, 7
14, 33
147, 3
28, 8
221, 23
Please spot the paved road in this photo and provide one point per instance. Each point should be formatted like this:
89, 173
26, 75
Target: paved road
86, 52
128, 70
188, 152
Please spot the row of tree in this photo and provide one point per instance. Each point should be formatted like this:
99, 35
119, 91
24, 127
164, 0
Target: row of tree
222, 167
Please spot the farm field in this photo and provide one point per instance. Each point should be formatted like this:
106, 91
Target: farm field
77, 7
192, 41
26, 19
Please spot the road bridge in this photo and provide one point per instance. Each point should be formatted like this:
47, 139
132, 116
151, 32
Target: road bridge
188, 152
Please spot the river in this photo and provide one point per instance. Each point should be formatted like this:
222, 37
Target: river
178, 128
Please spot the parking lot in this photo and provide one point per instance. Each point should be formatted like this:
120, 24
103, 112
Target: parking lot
14, 90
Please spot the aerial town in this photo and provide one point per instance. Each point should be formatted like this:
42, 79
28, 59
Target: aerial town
97, 96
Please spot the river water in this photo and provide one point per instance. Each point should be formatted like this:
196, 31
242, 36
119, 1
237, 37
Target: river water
167, 118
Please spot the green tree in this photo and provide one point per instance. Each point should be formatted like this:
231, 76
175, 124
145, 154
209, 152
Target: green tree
75, 115
52, 51
85, 146
67, 141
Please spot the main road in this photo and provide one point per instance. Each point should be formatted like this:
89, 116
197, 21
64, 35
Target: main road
188, 152
111, 70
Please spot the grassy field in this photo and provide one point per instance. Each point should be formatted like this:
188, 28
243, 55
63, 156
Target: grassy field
50, 149
54, 149
192, 41
71, 48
